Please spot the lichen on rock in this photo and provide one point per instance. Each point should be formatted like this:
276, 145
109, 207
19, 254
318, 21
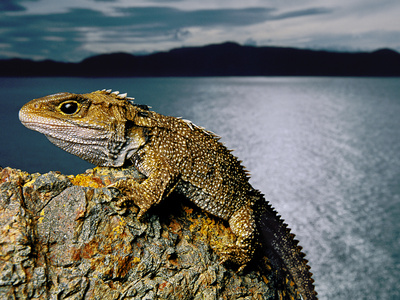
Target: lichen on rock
62, 238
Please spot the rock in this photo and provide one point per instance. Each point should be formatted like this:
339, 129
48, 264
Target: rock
62, 238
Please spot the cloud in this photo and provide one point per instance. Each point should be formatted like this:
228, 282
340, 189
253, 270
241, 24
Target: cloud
42, 36
172, 17
250, 42
304, 12
71, 33
165, 1
354, 42
10, 5
65, 34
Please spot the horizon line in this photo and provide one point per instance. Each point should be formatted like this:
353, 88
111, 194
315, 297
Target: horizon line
203, 46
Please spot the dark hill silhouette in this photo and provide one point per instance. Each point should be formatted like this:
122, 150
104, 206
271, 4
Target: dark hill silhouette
227, 59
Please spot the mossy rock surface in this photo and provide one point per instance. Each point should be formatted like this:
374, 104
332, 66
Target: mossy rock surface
63, 238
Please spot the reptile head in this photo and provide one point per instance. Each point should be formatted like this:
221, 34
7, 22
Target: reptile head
97, 126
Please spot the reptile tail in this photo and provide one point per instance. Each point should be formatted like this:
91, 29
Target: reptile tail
284, 252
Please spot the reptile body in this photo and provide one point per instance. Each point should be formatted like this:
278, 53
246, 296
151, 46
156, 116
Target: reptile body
108, 129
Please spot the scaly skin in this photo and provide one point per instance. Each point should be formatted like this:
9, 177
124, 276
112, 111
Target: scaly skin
107, 129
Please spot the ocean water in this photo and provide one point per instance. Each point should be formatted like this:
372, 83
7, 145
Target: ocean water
324, 151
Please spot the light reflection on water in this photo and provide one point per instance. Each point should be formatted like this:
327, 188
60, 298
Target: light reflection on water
325, 151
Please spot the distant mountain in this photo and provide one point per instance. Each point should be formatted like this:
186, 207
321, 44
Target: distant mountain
227, 59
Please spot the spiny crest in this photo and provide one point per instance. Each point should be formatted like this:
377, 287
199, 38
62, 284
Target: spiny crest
118, 95
124, 96
192, 126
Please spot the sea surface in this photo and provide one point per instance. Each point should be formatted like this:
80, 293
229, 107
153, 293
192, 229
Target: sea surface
324, 151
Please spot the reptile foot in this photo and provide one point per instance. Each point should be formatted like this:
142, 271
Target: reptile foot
236, 255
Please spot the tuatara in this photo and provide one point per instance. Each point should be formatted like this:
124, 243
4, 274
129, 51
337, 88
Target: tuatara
107, 129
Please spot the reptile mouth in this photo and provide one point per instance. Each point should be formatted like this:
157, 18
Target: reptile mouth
22, 116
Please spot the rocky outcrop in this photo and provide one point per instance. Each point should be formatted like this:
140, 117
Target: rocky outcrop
62, 238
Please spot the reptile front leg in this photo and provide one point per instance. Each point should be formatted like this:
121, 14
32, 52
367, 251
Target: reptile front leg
151, 191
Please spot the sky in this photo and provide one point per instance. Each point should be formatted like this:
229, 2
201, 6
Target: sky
71, 30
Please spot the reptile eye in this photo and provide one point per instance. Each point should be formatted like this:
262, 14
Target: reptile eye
69, 108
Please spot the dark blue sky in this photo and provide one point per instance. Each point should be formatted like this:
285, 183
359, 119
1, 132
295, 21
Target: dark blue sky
71, 30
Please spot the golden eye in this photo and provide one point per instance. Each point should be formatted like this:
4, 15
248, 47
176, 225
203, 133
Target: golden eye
70, 107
